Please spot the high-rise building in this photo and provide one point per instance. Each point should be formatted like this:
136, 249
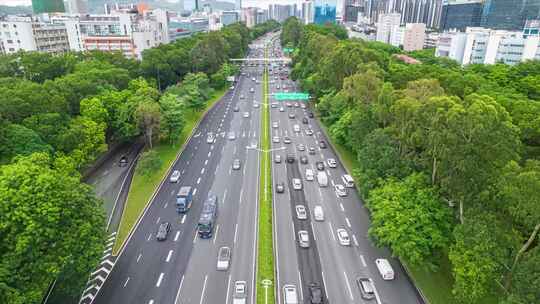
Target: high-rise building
509, 14
531, 28
351, 9
414, 36
281, 12
48, 6
308, 11
388, 30
77, 6
325, 11
460, 14
412, 11
249, 16
229, 17
238, 4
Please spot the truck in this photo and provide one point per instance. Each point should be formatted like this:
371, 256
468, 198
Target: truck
208, 217
322, 179
184, 199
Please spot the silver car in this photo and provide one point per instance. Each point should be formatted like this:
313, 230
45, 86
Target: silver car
224, 258
175, 176
236, 164
303, 239
301, 212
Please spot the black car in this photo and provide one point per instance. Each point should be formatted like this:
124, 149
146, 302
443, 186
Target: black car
311, 150
163, 231
303, 159
322, 144
319, 165
286, 140
304, 120
310, 115
280, 187
123, 161
290, 158
315, 294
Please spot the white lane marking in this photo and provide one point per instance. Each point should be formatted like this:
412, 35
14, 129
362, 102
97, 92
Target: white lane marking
206, 162
241, 193
224, 196
320, 192
348, 286
179, 288
215, 234
202, 171
149, 236
244, 171
324, 283
203, 289
172, 192
348, 222
187, 163
159, 218
210, 153
313, 230
234, 151
328, 171
341, 206
332, 230
139, 257
333, 184
183, 219
195, 238
355, 241
165, 206
126, 282
194, 191
169, 256
159, 279
198, 180
176, 236
228, 288
322, 156
363, 261
235, 231
300, 283
151, 302
376, 292
183, 172
230, 171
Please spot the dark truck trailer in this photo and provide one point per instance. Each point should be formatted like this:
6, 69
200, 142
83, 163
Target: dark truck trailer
208, 217
184, 199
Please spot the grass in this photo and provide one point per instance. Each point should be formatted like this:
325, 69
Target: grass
142, 188
265, 252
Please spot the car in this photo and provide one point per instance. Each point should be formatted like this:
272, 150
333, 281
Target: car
278, 87
287, 140
231, 87
290, 295
310, 115
319, 165
281, 109
322, 144
311, 150
253, 79
224, 258
123, 161
231, 136
332, 163
246, 114
240, 292
301, 147
366, 288
296, 128
292, 115
280, 187
340, 190
309, 174
290, 158
296, 105
348, 181
297, 184
343, 237
210, 139
303, 239
175, 176
163, 231
275, 125
275, 139
236, 109
305, 120
273, 105
303, 105
309, 132
303, 159
236, 164
288, 104
318, 213
255, 105
315, 293
242, 96
301, 212
277, 159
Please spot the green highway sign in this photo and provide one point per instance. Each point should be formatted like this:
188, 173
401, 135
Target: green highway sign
288, 50
291, 96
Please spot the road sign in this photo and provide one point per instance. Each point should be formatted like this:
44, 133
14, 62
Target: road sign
291, 96
288, 50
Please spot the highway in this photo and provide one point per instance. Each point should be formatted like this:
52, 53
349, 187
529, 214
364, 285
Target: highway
326, 262
182, 269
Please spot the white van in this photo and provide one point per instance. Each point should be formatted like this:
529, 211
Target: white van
289, 294
318, 213
385, 269
309, 174
296, 128
322, 179
348, 181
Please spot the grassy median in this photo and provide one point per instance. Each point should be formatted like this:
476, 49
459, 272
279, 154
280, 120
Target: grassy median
142, 188
265, 258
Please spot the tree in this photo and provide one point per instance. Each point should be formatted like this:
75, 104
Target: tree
362, 88
83, 140
291, 32
52, 226
149, 163
148, 117
408, 217
94, 109
47, 125
209, 53
526, 279
19, 140
173, 117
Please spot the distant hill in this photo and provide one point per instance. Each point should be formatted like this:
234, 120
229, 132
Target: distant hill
15, 10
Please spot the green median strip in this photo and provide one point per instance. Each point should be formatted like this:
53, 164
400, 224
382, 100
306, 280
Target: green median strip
265, 252
142, 188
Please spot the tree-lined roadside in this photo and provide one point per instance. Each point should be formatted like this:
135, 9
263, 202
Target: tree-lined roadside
443, 153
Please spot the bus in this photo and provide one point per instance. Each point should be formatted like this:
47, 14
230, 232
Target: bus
208, 217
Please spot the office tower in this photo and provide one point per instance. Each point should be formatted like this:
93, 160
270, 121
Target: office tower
412, 11
388, 30
249, 16
351, 9
308, 11
229, 17
460, 14
531, 28
77, 6
48, 6
325, 11
509, 14
281, 12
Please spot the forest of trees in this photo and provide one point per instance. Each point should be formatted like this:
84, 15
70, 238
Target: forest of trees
448, 156
58, 114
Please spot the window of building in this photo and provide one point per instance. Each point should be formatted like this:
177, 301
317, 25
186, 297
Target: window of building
10, 41
11, 49
15, 26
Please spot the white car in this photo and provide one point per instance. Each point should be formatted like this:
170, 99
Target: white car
240, 292
175, 176
343, 237
224, 258
252, 90
309, 174
281, 109
275, 139
255, 105
275, 125
318, 213
303, 239
277, 159
340, 190
231, 136
246, 114
296, 128
297, 184
210, 139
332, 163
301, 212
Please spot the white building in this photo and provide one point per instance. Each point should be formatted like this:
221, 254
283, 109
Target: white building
431, 40
77, 6
249, 16
308, 11
414, 36
481, 45
388, 30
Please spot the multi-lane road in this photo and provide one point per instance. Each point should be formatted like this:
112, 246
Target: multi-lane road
182, 269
